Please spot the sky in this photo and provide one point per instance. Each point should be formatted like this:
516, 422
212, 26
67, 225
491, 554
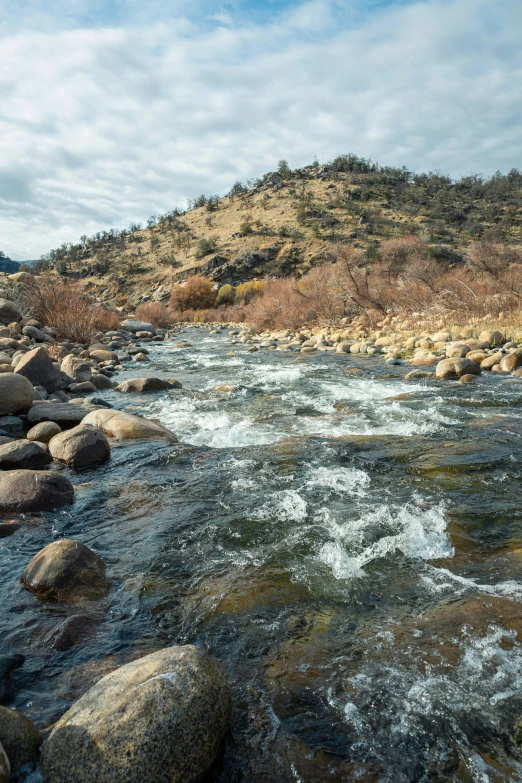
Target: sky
115, 110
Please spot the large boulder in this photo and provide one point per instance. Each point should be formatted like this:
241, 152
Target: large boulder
16, 393
492, 337
134, 325
23, 454
102, 382
147, 385
75, 369
159, 719
66, 570
83, 445
38, 367
34, 490
9, 312
125, 426
454, 368
20, 739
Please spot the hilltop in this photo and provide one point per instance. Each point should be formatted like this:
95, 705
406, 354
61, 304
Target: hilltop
287, 222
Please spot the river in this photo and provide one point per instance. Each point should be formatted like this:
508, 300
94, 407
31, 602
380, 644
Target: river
347, 543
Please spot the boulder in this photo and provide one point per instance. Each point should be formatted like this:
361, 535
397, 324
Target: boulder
491, 361
34, 490
75, 369
104, 356
134, 325
20, 739
12, 426
125, 426
511, 361
66, 570
44, 432
70, 631
62, 413
492, 337
102, 382
140, 357
16, 393
23, 454
457, 351
38, 367
85, 387
36, 334
159, 719
9, 312
147, 385
81, 446
454, 368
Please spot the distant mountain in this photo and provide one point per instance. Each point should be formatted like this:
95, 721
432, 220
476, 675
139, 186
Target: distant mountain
8, 265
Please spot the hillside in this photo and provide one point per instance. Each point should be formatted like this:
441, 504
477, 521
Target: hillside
287, 222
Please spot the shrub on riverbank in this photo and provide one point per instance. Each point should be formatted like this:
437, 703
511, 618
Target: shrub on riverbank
155, 313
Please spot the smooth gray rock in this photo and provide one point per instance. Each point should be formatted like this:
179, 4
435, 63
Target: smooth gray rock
76, 369
9, 312
44, 432
147, 385
16, 393
134, 325
63, 413
23, 454
66, 569
20, 739
79, 447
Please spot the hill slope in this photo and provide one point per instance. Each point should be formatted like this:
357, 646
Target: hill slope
288, 222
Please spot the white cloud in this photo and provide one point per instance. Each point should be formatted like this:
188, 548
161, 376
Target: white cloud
103, 126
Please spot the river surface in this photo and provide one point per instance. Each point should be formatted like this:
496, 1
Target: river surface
347, 543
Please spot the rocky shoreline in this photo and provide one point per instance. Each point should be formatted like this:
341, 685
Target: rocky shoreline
52, 418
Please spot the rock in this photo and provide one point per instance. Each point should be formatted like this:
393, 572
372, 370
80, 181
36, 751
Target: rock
85, 387
441, 337
43, 432
35, 334
160, 718
8, 664
11, 425
5, 766
16, 393
343, 347
34, 490
23, 454
478, 356
62, 413
491, 361
70, 632
125, 426
9, 312
20, 739
133, 325
147, 385
457, 351
140, 357
81, 446
492, 337
104, 356
467, 378
418, 374
37, 367
454, 368
102, 382
67, 570
511, 361
75, 369
9, 527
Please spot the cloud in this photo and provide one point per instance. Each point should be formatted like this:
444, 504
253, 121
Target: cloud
101, 126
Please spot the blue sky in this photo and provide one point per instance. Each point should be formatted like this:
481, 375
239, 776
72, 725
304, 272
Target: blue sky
113, 110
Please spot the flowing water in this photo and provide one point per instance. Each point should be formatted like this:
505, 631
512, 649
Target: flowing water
347, 543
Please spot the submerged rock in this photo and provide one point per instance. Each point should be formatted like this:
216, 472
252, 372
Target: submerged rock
34, 490
147, 385
66, 570
125, 426
20, 739
159, 719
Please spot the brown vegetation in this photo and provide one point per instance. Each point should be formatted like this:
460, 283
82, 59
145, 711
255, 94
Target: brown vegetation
197, 293
155, 313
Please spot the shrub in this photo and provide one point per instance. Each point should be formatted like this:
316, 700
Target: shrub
205, 247
226, 295
246, 228
154, 313
283, 169
60, 304
105, 319
197, 293
245, 292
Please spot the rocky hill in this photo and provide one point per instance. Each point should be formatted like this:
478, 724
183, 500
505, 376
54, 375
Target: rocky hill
7, 265
287, 222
